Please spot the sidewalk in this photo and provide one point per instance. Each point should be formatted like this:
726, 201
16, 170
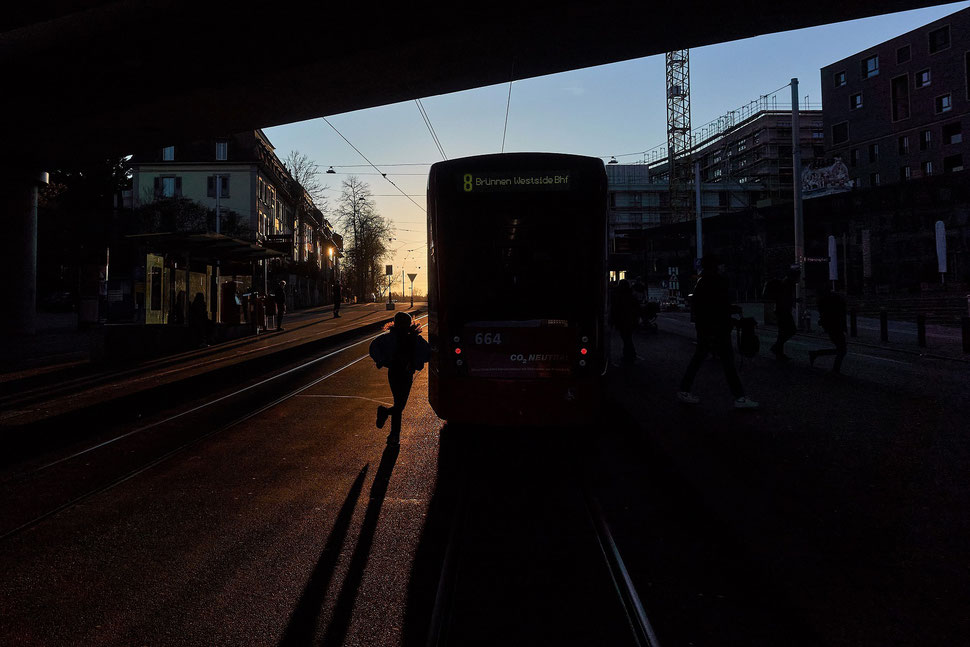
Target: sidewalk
944, 342
845, 491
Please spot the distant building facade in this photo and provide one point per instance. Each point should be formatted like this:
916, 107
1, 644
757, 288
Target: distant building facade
899, 110
745, 165
240, 178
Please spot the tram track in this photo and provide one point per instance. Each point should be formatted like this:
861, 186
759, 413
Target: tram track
600, 552
24, 483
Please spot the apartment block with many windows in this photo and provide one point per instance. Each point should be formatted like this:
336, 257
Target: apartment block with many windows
901, 109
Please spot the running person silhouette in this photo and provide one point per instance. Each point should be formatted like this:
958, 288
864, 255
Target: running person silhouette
403, 351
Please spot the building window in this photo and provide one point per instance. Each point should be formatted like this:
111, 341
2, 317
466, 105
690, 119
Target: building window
854, 157
904, 145
927, 168
952, 133
840, 132
953, 163
168, 154
873, 152
944, 103
168, 187
925, 137
966, 73
904, 173
902, 54
743, 144
855, 101
222, 149
874, 179
940, 39
870, 67
899, 89
839, 78
211, 186
923, 78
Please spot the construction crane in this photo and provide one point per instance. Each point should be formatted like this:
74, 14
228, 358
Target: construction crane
679, 169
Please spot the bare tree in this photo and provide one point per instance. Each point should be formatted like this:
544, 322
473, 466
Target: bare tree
367, 232
307, 173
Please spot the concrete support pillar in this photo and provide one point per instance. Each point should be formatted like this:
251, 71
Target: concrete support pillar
18, 207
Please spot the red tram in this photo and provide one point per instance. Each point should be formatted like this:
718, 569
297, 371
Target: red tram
517, 288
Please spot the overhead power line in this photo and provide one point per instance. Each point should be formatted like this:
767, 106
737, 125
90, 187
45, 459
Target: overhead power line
372, 164
508, 104
427, 122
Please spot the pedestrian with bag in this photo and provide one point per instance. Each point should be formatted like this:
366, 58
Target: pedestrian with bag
403, 351
713, 310
831, 317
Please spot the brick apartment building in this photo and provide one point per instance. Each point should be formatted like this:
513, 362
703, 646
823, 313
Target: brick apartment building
899, 110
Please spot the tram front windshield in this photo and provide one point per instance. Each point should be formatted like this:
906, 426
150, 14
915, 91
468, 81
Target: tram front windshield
520, 262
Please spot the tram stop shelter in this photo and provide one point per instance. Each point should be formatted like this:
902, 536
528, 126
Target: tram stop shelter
151, 289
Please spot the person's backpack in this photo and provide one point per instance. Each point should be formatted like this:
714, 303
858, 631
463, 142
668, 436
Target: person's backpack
748, 342
771, 289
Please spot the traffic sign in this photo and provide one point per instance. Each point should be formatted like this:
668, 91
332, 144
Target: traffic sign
412, 277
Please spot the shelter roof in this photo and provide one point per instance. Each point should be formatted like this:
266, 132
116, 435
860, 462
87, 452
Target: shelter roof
209, 246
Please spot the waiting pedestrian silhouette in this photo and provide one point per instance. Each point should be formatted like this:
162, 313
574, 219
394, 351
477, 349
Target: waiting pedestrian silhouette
624, 314
831, 317
784, 303
199, 321
403, 351
712, 309
336, 300
280, 297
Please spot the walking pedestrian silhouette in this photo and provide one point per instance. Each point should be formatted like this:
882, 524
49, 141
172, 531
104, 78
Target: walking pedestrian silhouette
831, 317
712, 309
784, 302
403, 351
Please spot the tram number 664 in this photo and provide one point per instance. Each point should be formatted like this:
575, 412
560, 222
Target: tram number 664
488, 338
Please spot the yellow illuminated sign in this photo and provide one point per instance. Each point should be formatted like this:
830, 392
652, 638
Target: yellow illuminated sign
499, 181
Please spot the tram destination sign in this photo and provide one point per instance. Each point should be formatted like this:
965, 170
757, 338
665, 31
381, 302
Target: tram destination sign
513, 181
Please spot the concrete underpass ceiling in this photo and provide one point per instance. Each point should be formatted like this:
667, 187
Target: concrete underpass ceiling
94, 78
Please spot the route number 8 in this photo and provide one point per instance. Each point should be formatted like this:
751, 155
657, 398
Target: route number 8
468, 182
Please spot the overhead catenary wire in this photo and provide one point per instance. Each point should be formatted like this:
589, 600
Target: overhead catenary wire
384, 175
427, 122
508, 104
